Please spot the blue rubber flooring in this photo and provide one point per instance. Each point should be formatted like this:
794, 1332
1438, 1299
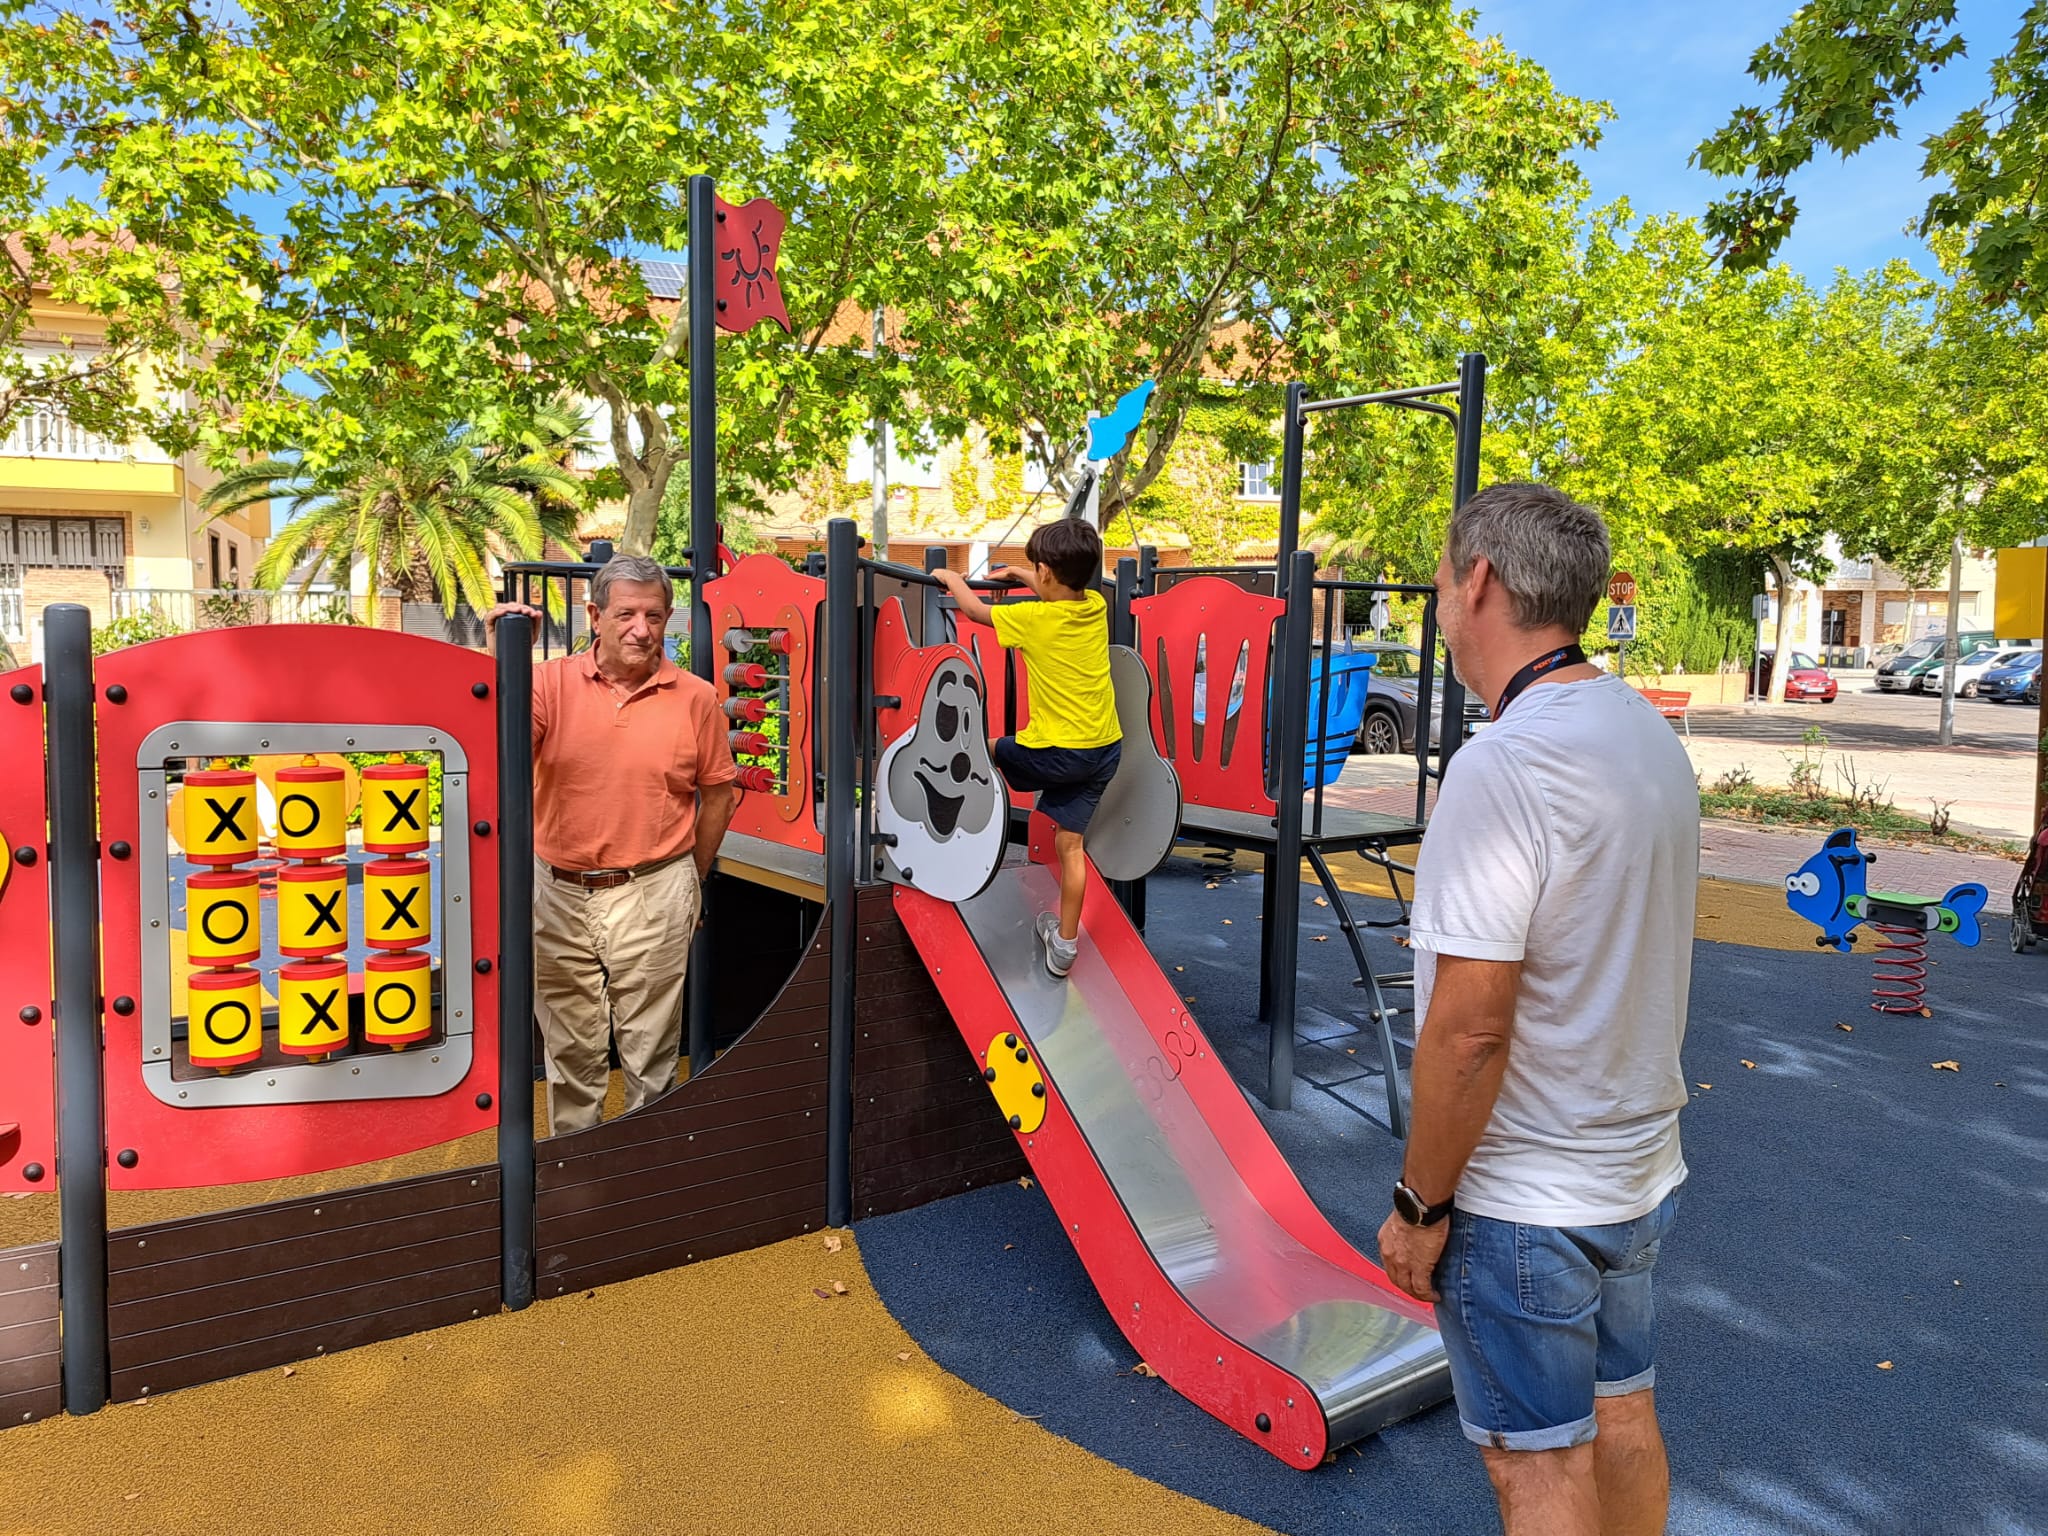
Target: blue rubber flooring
1848, 1205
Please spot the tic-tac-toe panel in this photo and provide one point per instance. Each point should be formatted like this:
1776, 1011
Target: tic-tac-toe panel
286, 991
27, 1104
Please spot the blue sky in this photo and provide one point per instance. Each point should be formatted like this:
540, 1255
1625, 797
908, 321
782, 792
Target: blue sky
1674, 69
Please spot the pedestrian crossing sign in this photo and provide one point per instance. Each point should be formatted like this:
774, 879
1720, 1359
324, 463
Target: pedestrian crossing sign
1621, 621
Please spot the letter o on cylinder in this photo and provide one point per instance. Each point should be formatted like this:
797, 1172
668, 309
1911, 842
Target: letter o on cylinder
312, 822
397, 1002
221, 923
226, 1018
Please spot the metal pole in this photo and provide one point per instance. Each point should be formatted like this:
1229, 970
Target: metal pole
1123, 630
703, 278
1282, 937
1464, 485
1148, 569
934, 600
878, 434
1946, 735
842, 589
73, 785
1296, 424
515, 961
1148, 575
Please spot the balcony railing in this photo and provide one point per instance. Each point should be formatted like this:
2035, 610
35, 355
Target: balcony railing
227, 607
46, 434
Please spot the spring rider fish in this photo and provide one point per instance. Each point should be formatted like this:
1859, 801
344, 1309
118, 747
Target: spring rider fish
1828, 890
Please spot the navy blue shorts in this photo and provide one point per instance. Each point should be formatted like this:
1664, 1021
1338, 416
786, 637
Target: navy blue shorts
1069, 781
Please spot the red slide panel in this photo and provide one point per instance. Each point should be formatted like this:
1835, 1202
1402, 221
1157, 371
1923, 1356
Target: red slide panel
1210, 1256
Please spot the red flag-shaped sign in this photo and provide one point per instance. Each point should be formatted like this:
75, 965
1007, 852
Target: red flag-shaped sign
749, 238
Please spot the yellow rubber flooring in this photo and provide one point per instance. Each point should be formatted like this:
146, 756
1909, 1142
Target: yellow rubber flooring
728, 1397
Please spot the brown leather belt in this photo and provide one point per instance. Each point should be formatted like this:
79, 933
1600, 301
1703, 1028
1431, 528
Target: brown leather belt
605, 879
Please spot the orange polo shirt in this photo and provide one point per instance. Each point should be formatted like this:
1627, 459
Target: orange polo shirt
615, 782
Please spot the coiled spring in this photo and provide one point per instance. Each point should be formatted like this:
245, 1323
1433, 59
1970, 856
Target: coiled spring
1899, 984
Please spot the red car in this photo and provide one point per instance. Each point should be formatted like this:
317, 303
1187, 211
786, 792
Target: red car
1806, 679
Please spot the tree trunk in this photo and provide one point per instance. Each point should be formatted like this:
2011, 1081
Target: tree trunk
643, 507
1947, 734
1781, 661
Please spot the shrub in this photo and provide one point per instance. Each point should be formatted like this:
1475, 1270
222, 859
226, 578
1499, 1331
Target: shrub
135, 629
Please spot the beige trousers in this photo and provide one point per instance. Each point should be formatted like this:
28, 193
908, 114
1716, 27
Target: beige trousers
611, 963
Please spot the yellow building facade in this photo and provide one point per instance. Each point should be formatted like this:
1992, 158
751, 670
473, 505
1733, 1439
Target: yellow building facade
86, 519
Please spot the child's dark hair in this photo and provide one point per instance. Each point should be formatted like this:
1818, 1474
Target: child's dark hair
1071, 549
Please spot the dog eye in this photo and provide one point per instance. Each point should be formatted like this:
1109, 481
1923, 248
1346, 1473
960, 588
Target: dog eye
948, 721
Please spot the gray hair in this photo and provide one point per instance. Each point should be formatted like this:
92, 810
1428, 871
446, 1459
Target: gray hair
631, 568
1550, 552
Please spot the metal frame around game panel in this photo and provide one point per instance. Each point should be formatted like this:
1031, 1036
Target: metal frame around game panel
420, 1073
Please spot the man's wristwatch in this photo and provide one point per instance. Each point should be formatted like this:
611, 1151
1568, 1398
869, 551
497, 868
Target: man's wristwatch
1414, 1210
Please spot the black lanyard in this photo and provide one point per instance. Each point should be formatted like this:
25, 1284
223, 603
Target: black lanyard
1563, 656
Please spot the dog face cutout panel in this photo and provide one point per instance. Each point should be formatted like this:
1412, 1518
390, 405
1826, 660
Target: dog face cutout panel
940, 793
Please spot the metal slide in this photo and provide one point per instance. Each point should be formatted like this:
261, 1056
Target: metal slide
1201, 1241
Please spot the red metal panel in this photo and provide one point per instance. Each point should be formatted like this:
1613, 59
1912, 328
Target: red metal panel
27, 1101
1213, 627
763, 593
312, 674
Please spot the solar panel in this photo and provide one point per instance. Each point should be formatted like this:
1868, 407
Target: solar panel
664, 279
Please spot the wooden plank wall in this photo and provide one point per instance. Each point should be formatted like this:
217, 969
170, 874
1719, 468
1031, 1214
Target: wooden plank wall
924, 1123
728, 1161
212, 1296
28, 1334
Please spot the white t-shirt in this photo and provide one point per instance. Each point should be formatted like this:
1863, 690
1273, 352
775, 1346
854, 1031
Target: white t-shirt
1567, 836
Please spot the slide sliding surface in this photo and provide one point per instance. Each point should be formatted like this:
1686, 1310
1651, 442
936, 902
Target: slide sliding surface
1200, 1240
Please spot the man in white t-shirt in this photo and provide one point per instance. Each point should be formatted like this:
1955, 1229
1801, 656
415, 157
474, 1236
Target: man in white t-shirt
1552, 930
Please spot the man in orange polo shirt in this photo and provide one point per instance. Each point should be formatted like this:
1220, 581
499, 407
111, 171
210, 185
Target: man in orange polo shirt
633, 790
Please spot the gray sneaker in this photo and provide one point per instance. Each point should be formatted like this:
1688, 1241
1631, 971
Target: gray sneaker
1059, 952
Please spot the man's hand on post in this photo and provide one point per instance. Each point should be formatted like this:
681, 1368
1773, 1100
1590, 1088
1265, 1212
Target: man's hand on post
499, 612
1409, 1254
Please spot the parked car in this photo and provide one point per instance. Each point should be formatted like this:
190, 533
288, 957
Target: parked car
1907, 671
2008, 684
1804, 679
1972, 670
1390, 705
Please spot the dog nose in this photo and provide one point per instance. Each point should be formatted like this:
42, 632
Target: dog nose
961, 767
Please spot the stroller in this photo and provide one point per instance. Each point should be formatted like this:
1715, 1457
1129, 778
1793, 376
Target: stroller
2030, 896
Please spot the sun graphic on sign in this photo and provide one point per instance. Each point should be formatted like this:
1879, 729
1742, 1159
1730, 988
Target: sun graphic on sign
752, 278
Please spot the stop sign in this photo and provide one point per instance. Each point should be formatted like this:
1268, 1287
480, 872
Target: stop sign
1621, 589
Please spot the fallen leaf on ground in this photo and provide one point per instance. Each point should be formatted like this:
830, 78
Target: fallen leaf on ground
1187, 997
1226, 922
821, 1293
289, 1371
1023, 1183
1946, 1066
1749, 1064
902, 1354
1350, 1050
1847, 1029
1322, 901
1703, 1085
1402, 942
1322, 938
1142, 1369
838, 1287
834, 1242
1180, 967
1008, 1246
1926, 1013
1884, 1365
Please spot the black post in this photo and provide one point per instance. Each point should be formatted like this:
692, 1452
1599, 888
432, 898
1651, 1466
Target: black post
73, 784
703, 297
842, 596
1148, 569
1123, 630
515, 960
1464, 485
1283, 876
1148, 576
934, 624
1291, 439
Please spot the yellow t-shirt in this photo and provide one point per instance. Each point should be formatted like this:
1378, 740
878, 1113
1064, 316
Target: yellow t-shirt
1066, 668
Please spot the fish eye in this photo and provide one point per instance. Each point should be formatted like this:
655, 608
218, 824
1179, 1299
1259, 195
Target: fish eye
1805, 883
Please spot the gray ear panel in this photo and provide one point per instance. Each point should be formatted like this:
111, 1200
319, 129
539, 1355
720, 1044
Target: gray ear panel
1139, 818
938, 794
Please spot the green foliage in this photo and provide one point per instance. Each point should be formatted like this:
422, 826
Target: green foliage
1198, 493
134, 629
426, 513
1843, 68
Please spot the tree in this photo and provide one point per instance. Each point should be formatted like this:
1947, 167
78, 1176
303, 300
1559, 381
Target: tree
425, 515
1843, 69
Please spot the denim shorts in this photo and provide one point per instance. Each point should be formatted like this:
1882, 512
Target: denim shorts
1069, 781
1539, 1321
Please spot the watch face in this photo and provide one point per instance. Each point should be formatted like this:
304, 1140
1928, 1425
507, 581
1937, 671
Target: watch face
1406, 1203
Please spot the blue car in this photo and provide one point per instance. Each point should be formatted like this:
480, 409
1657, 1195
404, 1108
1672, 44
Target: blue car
2013, 682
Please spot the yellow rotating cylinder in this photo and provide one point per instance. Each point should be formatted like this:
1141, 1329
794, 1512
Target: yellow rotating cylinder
397, 999
312, 1008
396, 903
224, 1021
222, 923
312, 910
312, 812
395, 808
220, 815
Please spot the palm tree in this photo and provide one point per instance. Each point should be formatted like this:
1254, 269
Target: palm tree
424, 513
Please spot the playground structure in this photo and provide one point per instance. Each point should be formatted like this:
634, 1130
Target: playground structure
1831, 890
867, 1025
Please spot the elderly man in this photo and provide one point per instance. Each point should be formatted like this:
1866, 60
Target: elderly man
633, 790
1553, 927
